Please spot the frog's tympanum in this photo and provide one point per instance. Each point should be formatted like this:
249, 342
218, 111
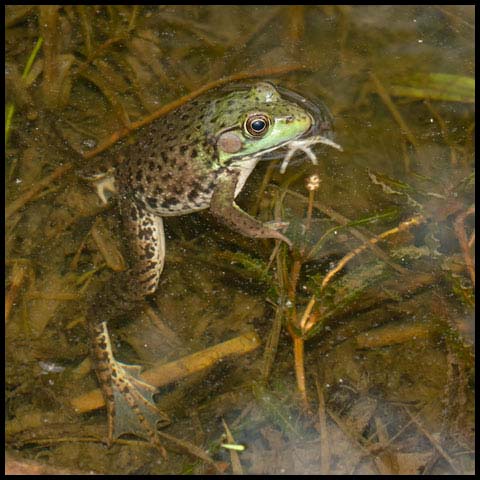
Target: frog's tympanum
196, 157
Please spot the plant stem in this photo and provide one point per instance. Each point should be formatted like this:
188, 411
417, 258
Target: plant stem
11, 107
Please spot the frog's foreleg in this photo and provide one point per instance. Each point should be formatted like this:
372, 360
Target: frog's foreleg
129, 400
223, 207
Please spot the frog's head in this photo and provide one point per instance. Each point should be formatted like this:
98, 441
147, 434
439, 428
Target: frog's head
259, 119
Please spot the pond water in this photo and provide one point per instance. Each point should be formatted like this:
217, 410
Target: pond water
351, 353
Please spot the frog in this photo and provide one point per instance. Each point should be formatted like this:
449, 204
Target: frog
194, 158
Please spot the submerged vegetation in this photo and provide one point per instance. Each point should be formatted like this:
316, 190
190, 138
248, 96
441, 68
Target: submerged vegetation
353, 351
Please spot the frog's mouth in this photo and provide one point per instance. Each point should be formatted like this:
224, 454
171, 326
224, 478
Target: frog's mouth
321, 131
322, 120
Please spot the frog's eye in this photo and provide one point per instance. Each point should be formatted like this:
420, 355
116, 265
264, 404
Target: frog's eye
257, 124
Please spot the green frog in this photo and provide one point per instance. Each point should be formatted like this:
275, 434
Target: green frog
196, 157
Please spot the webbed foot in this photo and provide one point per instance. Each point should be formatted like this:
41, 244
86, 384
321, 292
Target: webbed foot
135, 411
129, 400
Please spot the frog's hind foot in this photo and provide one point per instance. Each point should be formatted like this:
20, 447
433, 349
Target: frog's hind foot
129, 399
134, 410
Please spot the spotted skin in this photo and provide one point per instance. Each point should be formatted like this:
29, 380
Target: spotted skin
146, 237
125, 392
196, 157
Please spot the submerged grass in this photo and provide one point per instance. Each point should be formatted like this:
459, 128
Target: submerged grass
10, 110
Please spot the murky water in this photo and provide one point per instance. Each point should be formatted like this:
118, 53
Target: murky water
362, 361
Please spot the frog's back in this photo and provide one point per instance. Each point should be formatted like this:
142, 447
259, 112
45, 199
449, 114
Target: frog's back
172, 168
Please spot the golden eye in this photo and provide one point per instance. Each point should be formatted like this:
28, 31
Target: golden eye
257, 124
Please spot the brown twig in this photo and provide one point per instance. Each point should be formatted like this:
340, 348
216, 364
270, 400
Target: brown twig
298, 342
18, 277
444, 130
261, 189
432, 439
306, 315
298, 351
235, 459
385, 96
392, 334
312, 183
459, 226
272, 343
282, 281
471, 240
294, 275
311, 196
40, 185
417, 220
187, 447
78, 253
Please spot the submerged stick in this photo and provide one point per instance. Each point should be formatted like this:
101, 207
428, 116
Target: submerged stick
40, 185
164, 374
18, 277
392, 335
385, 96
459, 226
431, 437
299, 356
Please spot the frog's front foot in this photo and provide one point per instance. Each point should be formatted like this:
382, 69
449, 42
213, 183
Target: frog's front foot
129, 400
277, 225
102, 181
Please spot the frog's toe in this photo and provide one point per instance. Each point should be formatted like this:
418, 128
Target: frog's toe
274, 227
280, 236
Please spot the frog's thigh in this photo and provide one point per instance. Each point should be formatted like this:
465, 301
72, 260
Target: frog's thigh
146, 243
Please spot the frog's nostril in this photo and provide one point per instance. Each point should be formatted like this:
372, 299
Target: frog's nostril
289, 119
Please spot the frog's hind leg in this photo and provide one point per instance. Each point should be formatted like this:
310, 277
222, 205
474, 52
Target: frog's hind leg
129, 400
146, 242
